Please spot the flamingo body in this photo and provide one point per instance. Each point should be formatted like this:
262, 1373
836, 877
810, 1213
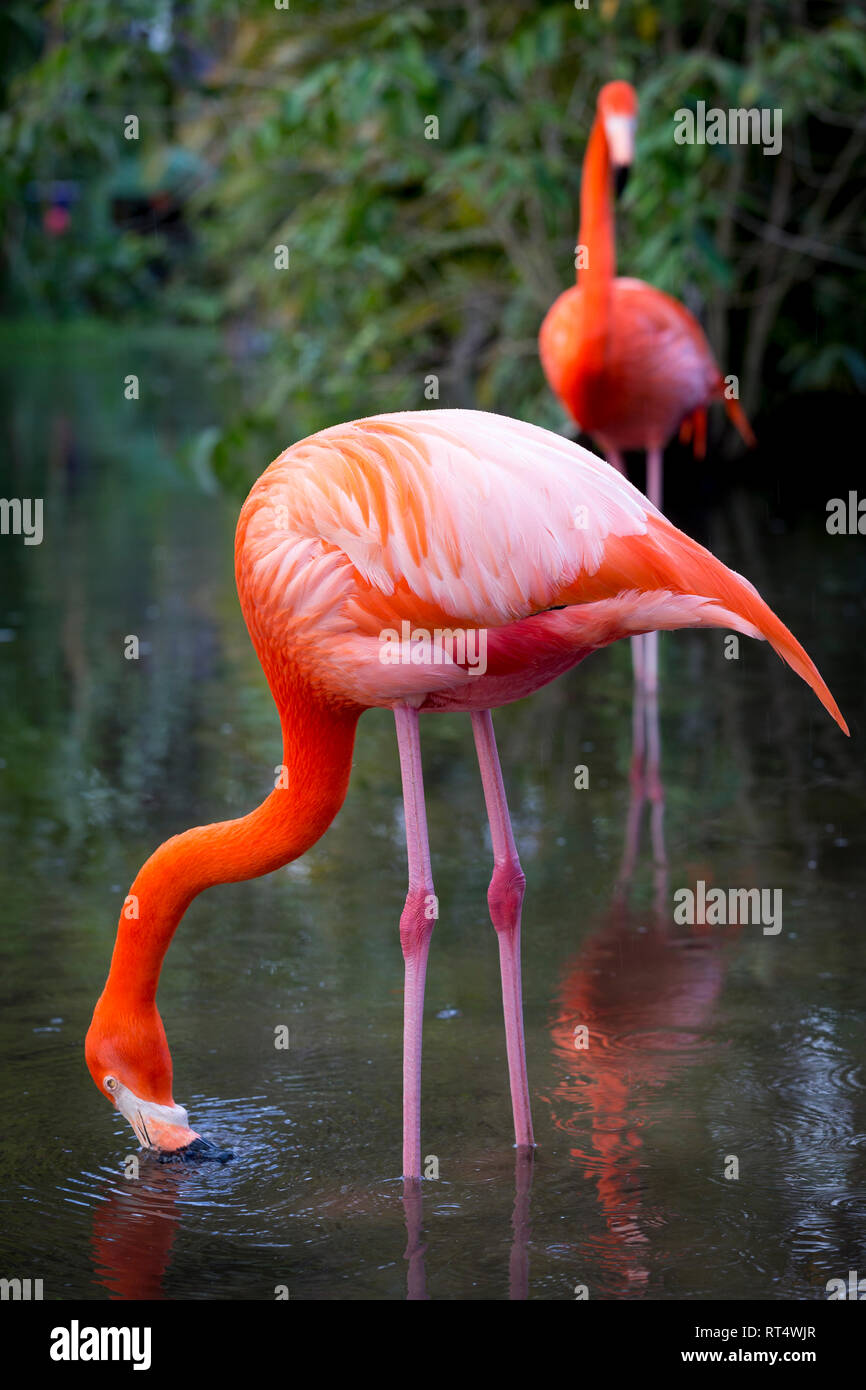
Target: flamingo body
438, 520
629, 363
657, 368
463, 520
448, 520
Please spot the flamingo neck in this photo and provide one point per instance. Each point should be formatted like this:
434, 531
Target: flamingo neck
309, 789
597, 236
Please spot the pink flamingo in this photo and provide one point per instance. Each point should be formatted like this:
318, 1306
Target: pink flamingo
375, 562
629, 363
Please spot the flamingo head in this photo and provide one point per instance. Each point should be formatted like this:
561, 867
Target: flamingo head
128, 1058
617, 108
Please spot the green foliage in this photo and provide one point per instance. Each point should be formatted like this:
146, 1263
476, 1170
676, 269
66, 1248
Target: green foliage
413, 257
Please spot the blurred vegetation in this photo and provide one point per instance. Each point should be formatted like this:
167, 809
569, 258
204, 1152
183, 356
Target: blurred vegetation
305, 127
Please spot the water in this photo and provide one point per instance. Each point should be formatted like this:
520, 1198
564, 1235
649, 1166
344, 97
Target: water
705, 1044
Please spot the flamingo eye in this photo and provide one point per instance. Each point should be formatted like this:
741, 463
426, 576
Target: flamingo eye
111, 1083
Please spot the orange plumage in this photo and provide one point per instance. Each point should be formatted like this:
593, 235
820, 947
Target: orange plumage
629, 363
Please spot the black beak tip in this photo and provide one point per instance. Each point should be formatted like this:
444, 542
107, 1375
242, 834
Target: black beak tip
199, 1151
620, 178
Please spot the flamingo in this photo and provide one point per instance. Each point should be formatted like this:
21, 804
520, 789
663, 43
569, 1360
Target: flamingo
629, 363
455, 521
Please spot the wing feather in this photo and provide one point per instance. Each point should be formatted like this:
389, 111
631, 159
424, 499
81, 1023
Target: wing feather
469, 516
461, 519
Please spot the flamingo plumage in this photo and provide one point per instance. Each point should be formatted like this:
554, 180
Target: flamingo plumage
411, 524
629, 363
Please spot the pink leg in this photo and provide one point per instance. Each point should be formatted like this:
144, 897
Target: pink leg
654, 787
614, 458
651, 675
656, 793
638, 647
654, 477
651, 640
637, 795
416, 927
505, 899
637, 771
638, 659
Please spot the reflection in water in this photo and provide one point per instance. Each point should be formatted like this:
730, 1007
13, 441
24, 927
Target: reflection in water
518, 1270
416, 1284
518, 1264
133, 1233
644, 999
134, 1225
633, 1004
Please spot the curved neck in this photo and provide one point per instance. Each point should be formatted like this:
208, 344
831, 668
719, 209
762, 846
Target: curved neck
309, 791
597, 236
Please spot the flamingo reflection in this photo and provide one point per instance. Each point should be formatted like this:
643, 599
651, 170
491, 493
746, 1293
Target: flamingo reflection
518, 1265
133, 1235
134, 1230
633, 1007
416, 1280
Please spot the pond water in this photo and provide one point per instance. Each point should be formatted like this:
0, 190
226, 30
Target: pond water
707, 1045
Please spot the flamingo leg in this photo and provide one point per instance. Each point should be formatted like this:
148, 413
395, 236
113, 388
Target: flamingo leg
654, 476
638, 653
655, 788
416, 927
505, 900
651, 640
656, 794
637, 796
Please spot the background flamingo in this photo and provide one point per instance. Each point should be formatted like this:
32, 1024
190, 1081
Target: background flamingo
630, 364
442, 519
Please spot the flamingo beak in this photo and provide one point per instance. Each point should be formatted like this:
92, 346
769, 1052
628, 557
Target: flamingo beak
619, 131
164, 1129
